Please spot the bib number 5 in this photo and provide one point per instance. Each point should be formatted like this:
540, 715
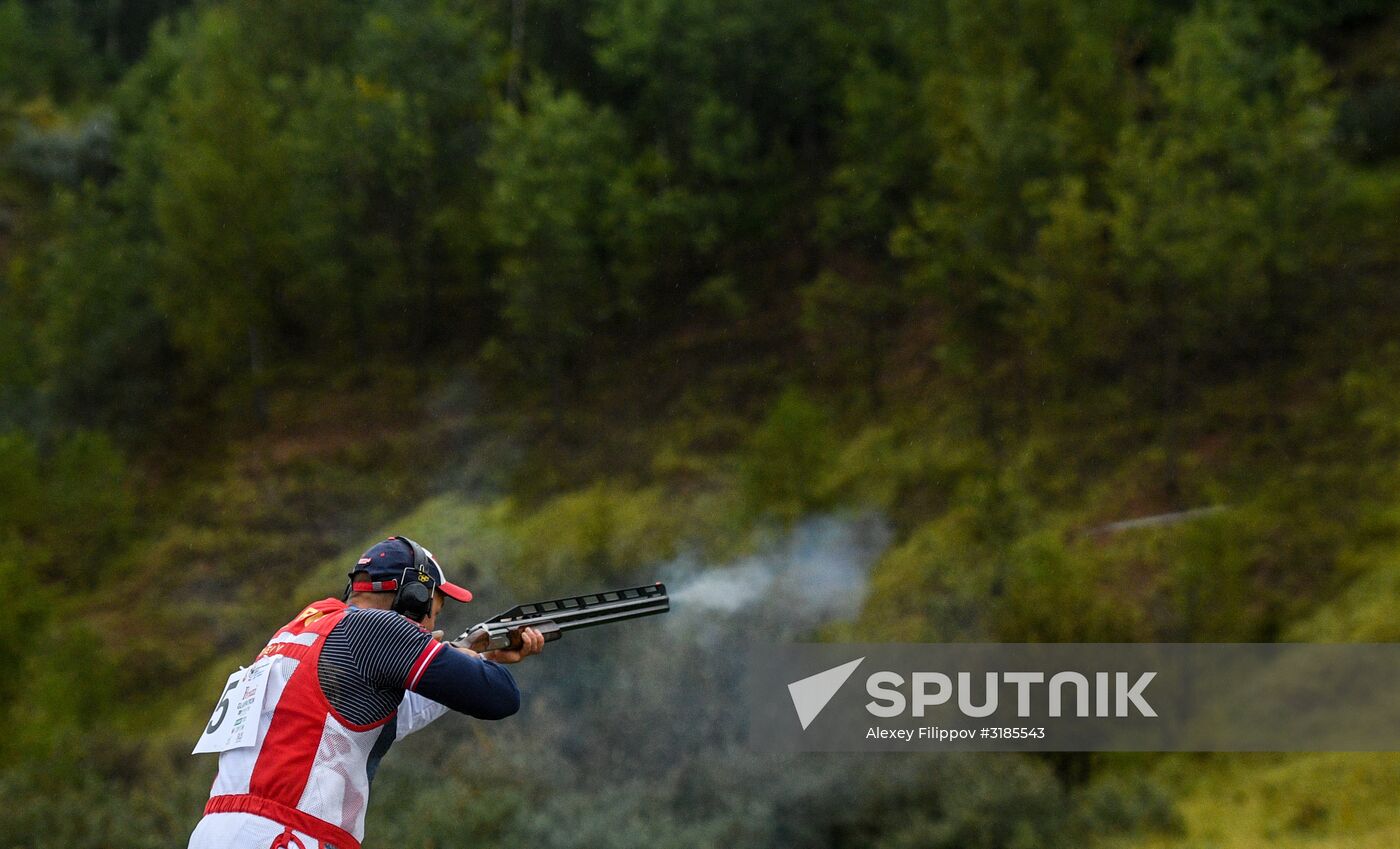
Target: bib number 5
234, 722
221, 709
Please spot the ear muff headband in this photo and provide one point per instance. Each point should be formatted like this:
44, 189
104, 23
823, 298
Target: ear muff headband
413, 591
414, 596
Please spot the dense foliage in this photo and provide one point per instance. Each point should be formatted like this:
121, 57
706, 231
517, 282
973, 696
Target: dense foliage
577, 289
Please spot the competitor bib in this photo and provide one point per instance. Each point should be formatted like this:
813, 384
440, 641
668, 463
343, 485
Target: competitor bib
234, 722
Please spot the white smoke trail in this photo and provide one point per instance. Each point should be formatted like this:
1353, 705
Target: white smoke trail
817, 572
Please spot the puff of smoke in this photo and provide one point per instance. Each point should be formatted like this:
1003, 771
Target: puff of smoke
657, 690
815, 573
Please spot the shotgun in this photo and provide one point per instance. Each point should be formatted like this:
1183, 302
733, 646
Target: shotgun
552, 618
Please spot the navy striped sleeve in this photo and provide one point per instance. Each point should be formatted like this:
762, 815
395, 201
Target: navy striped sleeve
369, 658
385, 645
469, 684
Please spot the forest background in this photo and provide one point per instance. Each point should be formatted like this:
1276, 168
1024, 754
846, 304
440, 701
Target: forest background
906, 302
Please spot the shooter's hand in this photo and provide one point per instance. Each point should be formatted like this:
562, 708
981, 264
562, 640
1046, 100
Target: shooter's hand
527, 641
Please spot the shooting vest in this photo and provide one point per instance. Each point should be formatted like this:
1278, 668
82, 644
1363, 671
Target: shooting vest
308, 769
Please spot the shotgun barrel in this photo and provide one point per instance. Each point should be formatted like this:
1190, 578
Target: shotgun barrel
557, 615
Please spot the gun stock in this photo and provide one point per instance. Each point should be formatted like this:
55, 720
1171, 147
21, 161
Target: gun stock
557, 615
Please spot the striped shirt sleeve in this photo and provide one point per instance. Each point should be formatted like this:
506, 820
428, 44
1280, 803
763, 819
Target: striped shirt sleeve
387, 650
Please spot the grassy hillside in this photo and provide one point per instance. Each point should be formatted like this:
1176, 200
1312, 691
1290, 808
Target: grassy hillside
249, 540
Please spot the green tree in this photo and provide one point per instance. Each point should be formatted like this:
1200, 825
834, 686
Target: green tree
1223, 203
102, 345
569, 212
242, 234
45, 53
737, 99
426, 77
1209, 241
788, 455
21, 48
1014, 95
363, 149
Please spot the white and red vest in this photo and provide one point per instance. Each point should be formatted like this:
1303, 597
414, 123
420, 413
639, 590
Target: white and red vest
308, 769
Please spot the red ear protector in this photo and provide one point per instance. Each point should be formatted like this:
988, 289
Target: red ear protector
413, 591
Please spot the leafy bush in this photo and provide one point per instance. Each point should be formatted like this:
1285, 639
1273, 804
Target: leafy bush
783, 465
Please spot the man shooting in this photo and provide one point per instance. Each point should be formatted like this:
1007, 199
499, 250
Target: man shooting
301, 732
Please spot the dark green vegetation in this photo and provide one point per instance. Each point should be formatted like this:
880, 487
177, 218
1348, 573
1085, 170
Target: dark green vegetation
572, 289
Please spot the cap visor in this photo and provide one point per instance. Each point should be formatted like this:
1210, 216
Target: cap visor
455, 592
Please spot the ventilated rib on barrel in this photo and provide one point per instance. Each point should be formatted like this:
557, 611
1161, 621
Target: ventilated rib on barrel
555, 616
